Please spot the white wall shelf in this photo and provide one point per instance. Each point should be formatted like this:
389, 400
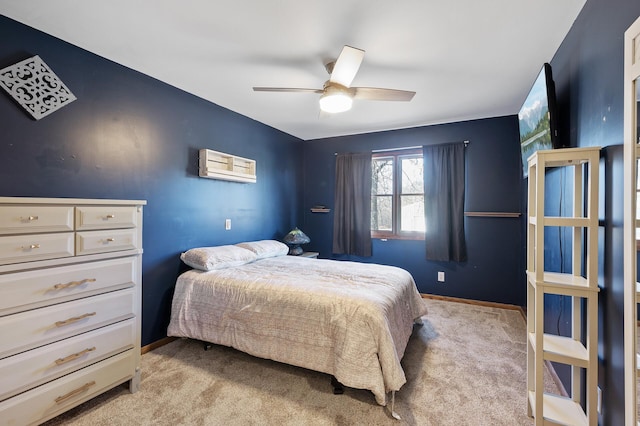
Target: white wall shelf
217, 165
579, 350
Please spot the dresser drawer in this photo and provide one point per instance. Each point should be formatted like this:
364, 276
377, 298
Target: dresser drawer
30, 329
26, 248
105, 217
35, 219
33, 289
53, 398
91, 242
29, 369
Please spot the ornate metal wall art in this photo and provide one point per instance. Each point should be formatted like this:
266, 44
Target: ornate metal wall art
35, 87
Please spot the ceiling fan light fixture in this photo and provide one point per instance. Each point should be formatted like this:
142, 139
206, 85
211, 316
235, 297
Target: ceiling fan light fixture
336, 99
337, 94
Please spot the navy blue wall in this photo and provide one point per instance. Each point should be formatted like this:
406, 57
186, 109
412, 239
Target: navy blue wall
132, 137
494, 270
588, 69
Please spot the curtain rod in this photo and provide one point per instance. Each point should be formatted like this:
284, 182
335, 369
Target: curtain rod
466, 143
414, 147
396, 149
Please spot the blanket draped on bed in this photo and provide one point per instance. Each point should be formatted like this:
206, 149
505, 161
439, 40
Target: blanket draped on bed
351, 320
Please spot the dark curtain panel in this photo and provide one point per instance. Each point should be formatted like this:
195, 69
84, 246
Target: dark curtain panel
444, 176
352, 205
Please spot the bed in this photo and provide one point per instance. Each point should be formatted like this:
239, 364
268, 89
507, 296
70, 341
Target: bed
347, 319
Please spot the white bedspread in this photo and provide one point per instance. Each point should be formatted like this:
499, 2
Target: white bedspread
351, 320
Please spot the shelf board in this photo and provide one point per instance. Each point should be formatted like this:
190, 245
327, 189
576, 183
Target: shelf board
562, 349
581, 222
564, 156
560, 410
492, 214
568, 221
215, 173
566, 284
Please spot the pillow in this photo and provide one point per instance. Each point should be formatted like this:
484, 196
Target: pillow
219, 257
265, 248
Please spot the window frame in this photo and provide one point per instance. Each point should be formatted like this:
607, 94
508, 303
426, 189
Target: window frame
396, 233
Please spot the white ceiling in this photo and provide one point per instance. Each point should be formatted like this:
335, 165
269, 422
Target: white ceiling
465, 59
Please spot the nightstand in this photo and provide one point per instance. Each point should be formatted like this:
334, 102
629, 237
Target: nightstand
310, 254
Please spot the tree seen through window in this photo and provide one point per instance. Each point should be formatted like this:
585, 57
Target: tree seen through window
397, 195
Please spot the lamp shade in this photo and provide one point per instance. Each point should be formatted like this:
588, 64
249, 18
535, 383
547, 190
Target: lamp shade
296, 236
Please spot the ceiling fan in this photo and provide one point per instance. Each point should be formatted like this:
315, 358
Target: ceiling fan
337, 94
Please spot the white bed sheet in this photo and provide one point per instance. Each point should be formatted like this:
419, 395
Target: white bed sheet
348, 319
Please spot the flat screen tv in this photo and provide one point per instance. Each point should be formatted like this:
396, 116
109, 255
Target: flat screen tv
537, 117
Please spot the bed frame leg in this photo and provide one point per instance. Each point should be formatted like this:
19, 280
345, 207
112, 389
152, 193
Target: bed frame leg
393, 406
338, 388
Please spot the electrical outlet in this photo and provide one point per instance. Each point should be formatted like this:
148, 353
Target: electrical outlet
599, 407
441, 276
227, 224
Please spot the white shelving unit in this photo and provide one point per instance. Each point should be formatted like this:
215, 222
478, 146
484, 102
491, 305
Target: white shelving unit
217, 165
637, 227
630, 240
580, 349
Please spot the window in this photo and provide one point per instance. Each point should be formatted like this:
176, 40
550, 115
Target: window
397, 195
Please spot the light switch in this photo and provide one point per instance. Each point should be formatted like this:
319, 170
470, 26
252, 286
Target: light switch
227, 224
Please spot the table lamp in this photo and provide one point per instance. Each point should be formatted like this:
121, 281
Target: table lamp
293, 239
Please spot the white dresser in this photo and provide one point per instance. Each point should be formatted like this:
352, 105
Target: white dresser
70, 297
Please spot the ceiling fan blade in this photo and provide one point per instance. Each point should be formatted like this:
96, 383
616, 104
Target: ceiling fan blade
378, 94
346, 66
286, 89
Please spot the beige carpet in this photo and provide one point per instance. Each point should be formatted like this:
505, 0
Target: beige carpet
465, 366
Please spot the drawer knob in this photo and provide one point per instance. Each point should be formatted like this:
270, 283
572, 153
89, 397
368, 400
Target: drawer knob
74, 319
81, 389
110, 216
31, 247
110, 240
28, 218
73, 283
71, 357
